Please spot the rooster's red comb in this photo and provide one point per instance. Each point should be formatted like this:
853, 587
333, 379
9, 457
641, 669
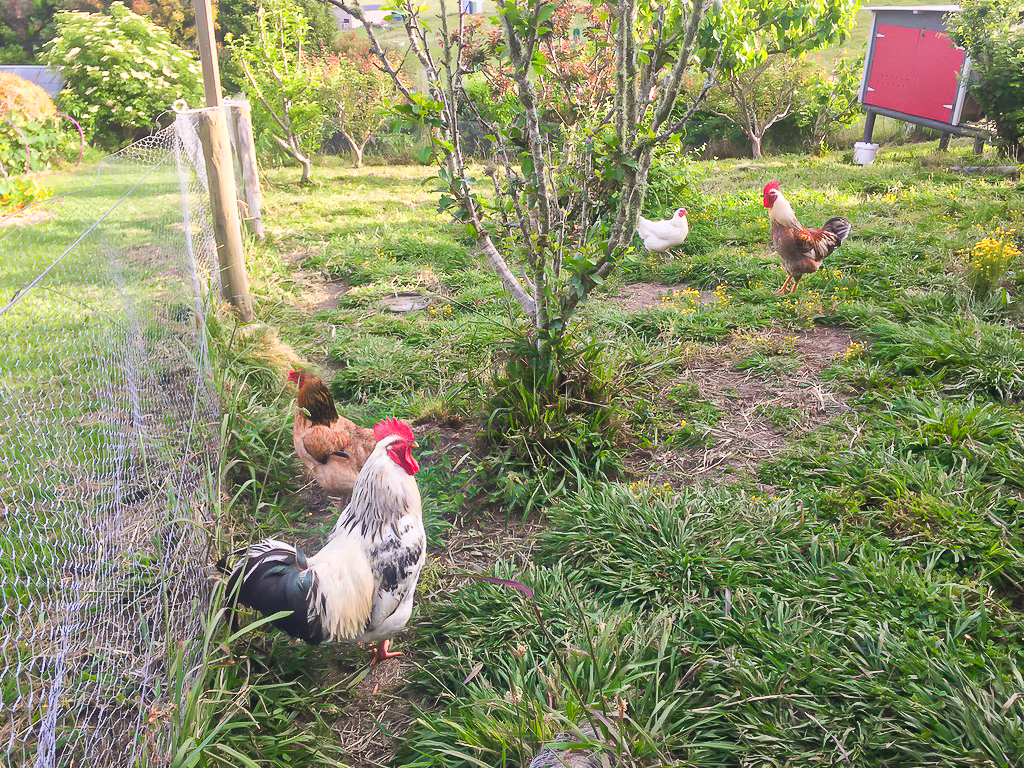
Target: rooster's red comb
769, 186
388, 427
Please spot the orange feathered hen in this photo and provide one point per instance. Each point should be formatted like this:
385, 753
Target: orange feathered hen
330, 446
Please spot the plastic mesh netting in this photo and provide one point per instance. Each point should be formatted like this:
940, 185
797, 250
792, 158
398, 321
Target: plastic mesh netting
108, 443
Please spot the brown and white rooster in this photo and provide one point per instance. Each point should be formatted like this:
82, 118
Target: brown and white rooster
330, 447
801, 250
359, 588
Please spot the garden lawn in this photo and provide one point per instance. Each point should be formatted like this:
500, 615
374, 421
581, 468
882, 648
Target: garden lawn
807, 547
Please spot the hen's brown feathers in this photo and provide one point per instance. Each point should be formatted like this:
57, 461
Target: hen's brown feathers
322, 443
316, 400
332, 448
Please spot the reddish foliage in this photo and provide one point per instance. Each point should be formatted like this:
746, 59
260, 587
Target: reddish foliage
579, 74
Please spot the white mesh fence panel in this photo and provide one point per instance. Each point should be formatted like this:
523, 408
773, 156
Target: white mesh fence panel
108, 442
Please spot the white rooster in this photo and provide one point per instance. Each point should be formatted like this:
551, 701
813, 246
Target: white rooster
659, 236
360, 586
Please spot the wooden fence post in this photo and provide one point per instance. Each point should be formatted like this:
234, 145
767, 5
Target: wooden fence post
220, 171
245, 145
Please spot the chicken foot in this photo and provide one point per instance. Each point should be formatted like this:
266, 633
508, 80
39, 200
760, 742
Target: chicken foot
381, 652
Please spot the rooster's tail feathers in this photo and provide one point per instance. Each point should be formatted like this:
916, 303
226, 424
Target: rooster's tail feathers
839, 227
274, 577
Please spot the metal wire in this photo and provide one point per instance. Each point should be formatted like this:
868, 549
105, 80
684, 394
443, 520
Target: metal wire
108, 441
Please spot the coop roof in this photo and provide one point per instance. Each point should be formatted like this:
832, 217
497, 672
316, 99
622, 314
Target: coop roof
914, 8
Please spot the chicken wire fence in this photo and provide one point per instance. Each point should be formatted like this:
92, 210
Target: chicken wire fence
108, 443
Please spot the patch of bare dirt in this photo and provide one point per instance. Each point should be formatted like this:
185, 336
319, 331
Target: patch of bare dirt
747, 435
320, 295
636, 297
378, 716
25, 218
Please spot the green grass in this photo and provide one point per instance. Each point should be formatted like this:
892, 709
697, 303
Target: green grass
103, 436
856, 598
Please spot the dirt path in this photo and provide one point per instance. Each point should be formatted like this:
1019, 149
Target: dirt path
760, 410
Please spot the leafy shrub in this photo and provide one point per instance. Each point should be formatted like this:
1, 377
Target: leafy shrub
19, 193
993, 34
29, 133
27, 144
121, 71
554, 415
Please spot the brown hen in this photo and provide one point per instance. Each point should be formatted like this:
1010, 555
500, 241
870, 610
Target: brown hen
330, 446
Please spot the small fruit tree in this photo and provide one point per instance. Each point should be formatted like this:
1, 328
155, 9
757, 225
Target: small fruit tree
766, 79
358, 97
287, 83
566, 193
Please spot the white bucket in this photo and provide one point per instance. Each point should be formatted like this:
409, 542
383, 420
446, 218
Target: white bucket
864, 153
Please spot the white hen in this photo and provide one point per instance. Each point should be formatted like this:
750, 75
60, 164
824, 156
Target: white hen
659, 236
360, 586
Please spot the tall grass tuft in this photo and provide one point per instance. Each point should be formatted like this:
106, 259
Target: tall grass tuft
961, 355
554, 415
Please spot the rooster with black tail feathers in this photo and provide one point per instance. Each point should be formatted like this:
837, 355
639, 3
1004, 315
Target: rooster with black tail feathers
359, 588
801, 251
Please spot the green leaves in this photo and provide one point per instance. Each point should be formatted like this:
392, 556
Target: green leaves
121, 72
991, 32
755, 29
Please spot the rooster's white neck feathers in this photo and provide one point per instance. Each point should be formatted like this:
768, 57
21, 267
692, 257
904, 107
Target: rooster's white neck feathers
383, 493
781, 213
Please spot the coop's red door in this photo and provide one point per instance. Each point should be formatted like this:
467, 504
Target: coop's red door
914, 71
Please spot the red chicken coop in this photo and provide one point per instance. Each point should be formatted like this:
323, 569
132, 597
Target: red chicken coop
914, 72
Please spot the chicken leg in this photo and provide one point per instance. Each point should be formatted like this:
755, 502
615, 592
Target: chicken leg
782, 288
381, 652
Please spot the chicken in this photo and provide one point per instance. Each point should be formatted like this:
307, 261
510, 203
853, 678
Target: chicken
659, 236
360, 586
801, 250
330, 446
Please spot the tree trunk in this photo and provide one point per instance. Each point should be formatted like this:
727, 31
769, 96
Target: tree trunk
355, 147
755, 145
302, 159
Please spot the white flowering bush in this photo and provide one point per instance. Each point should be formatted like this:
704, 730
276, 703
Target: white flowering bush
121, 72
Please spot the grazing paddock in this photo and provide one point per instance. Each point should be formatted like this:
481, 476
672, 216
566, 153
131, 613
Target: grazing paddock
805, 543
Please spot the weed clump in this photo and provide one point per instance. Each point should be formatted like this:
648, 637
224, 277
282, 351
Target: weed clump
989, 260
552, 411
